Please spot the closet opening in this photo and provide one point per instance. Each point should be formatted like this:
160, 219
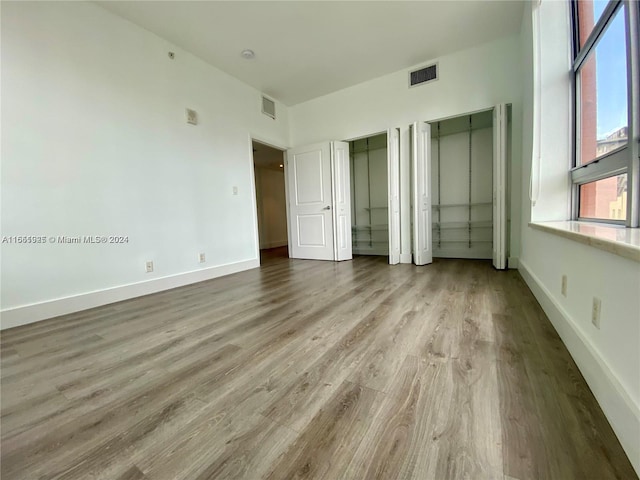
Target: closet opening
268, 163
369, 195
462, 186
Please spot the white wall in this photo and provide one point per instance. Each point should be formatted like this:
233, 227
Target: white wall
94, 142
470, 80
272, 213
608, 358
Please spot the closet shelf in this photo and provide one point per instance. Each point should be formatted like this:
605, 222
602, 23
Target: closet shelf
365, 150
462, 205
457, 225
370, 227
360, 243
375, 208
464, 241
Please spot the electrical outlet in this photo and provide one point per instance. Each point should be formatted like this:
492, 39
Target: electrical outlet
202, 258
595, 312
149, 267
564, 285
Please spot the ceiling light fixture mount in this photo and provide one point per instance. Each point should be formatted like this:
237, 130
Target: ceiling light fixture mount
248, 54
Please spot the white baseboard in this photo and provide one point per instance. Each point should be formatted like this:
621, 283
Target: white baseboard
618, 406
472, 253
371, 251
513, 262
23, 315
405, 258
281, 243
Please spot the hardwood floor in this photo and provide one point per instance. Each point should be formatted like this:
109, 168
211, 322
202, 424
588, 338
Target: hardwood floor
306, 369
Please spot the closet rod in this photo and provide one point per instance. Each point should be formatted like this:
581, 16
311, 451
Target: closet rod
374, 227
371, 149
476, 204
465, 241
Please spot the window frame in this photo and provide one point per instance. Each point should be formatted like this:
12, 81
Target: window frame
624, 159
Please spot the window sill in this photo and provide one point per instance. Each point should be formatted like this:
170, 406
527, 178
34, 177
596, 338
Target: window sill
621, 241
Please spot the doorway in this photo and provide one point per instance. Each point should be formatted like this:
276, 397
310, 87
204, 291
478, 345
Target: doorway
459, 187
271, 207
369, 195
320, 194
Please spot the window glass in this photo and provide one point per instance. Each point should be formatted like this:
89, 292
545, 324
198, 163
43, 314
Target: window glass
605, 199
603, 94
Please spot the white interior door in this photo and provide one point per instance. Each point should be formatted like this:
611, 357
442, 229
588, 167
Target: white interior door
393, 172
341, 185
310, 202
421, 191
499, 186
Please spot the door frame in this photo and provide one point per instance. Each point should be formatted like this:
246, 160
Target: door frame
393, 194
507, 187
464, 114
389, 206
500, 185
283, 149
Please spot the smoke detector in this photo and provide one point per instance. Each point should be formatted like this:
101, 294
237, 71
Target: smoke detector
247, 54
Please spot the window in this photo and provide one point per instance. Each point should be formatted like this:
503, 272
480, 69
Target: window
604, 199
605, 73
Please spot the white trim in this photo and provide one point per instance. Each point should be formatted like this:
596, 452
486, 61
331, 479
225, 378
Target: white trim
35, 312
478, 253
254, 199
254, 190
393, 194
499, 186
380, 251
268, 142
405, 258
513, 262
618, 406
274, 244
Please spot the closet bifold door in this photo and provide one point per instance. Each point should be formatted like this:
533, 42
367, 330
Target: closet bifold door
421, 192
393, 174
499, 186
340, 185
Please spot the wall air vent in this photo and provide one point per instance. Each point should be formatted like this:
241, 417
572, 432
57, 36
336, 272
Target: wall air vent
423, 75
269, 107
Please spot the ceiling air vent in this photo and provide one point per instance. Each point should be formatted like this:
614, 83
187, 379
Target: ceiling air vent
269, 107
424, 75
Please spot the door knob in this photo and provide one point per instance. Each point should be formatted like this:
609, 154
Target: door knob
328, 207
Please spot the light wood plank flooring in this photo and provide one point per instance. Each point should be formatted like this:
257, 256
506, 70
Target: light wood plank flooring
306, 369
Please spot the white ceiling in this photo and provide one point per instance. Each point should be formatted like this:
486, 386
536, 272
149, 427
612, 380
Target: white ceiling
306, 49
